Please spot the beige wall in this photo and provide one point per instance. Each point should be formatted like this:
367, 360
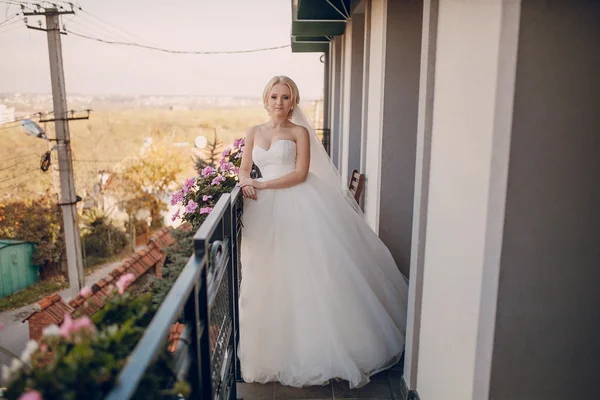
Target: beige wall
474, 77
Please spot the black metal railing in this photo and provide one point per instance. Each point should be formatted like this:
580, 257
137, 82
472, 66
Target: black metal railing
207, 293
326, 138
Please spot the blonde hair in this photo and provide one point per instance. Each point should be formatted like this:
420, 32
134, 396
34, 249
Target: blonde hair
286, 81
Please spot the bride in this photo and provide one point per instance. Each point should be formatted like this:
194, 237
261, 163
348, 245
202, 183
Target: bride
321, 296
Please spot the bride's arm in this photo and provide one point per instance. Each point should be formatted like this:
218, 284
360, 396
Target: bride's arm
246, 166
302, 165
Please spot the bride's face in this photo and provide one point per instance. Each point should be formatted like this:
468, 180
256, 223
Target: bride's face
280, 100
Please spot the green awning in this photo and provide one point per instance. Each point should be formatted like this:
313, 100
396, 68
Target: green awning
315, 22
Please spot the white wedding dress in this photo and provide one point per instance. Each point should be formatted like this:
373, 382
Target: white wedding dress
321, 296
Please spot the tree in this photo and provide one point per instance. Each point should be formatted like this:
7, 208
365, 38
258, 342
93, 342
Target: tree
38, 221
145, 182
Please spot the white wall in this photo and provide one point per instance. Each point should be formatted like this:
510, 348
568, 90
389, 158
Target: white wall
474, 84
346, 101
374, 116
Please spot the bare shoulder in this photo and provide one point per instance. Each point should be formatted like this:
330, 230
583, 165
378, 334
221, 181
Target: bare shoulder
252, 131
300, 132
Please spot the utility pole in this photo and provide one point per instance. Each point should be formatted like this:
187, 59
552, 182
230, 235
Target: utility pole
68, 199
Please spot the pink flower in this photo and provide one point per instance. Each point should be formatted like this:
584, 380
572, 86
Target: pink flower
189, 183
205, 210
70, 326
86, 292
242, 143
207, 171
217, 180
177, 198
238, 155
83, 323
226, 152
124, 281
242, 148
31, 395
67, 326
206, 197
236, 170
236, 143
228, 166
176, 215
191, 207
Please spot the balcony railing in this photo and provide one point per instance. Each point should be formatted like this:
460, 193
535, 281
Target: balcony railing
207, 293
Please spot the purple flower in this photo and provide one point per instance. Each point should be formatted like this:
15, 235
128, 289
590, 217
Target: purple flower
177, 198
188, 184
207, 171
242, 148
176, 215
242, 141
226, 152
31, 395
227, 166
217, 180
236, 142
191, 207
206, 197
236, 170
238, 155
205, 210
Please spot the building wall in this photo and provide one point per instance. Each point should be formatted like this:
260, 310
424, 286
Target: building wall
547, 323
336, 99
470, 136
353, 83
399, 126
374, 115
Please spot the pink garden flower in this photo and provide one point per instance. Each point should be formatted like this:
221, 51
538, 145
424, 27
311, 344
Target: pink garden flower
206, 197
86, 292
176, 215
228, 166
226, 152
177, 198
124, 281
236, 170
191, 207
236, 143
31, 395
70, 326
205, 210
217, 180
207, 171
189, 183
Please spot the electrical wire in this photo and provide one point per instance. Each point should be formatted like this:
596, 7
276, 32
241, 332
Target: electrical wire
14, 165
175, 51
19, 176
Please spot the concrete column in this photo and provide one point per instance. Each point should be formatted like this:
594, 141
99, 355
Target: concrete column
475, 68
336, 98
352, 113
423, 157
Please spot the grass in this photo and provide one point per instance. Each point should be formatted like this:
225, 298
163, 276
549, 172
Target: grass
33, 293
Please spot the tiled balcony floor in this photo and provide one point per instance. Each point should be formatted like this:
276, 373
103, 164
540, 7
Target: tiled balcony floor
385, 385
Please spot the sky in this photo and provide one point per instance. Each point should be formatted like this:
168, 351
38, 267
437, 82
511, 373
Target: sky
200, 25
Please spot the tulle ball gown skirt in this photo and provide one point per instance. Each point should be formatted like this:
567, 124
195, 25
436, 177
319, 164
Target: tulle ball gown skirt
321, 297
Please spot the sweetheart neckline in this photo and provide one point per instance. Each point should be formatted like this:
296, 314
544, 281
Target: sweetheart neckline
273, 143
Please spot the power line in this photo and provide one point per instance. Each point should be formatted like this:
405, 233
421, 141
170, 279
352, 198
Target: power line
19, 176
17, 157
14, 165
175, 51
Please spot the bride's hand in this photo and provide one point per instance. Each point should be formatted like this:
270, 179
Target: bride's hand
249, 192
256, 184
